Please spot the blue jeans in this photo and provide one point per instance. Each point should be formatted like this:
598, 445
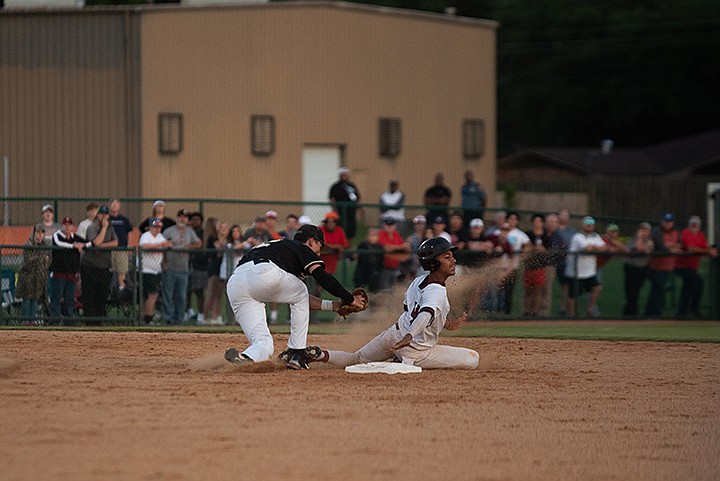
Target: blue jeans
65, 290
28, 308
691, 293
174, 292
656, 299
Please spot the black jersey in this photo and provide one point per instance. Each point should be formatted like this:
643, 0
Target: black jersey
288, 254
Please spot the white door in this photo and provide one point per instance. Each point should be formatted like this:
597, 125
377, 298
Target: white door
320, 166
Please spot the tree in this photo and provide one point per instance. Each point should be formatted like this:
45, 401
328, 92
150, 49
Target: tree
573, 73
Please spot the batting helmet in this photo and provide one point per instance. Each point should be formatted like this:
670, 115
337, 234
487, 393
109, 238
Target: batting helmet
430, 249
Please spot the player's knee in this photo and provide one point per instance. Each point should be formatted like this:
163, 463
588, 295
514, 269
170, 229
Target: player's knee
473, 359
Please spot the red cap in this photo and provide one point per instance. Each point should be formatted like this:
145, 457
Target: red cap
67, 220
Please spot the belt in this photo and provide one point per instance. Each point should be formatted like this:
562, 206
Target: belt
260, 261
397, 327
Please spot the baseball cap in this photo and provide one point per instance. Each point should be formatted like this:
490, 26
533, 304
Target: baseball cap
260, 218
39, 227
588, 220
156, 222
477, 223
612, 227
158, 203
419, 219
183, 212
439, 220
271, 214
67, 220
47, 207
304, 219
343, 170
645, 225
309, 231
668, 217
695, 219
103, 210
331, 215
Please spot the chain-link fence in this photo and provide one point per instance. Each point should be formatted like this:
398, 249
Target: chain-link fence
34, 293
141, 289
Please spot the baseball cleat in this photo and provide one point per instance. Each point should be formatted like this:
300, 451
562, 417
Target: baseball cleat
297, 362
232, 355
313, 353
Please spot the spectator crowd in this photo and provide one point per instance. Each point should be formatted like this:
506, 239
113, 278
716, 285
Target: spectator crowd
184, 261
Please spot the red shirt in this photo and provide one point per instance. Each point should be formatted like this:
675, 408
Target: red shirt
665, 263
689, 239
335, 237
392, 260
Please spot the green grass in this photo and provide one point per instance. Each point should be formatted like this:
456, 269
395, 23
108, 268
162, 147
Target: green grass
661, 331
665, 331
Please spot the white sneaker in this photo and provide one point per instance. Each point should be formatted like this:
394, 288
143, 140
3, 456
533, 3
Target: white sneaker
273, 317
200, 317
191, 313
218, 321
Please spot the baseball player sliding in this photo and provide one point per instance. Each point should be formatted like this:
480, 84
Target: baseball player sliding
413, 338
272, 272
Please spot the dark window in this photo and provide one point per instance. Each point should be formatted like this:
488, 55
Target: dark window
170, 133
473, 138
262, 134
390, 136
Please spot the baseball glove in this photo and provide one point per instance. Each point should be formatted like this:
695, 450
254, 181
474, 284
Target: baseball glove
351, 308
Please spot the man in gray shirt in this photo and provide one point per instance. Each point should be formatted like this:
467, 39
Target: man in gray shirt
95, 265
177, 267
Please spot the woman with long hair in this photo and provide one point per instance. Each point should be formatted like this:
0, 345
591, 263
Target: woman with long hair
158, 212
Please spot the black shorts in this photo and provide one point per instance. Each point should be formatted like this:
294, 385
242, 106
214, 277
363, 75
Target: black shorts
582, 285
563, 280
151, 284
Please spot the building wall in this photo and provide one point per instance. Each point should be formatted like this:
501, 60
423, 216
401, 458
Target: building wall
327, 72
81, 91
63, 104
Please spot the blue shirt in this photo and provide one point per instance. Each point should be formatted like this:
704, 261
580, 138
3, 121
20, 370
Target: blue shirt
122, 227
473, 196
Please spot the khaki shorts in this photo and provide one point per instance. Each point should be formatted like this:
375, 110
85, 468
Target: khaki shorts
120, 261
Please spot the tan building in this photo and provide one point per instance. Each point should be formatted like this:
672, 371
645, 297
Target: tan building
255, 102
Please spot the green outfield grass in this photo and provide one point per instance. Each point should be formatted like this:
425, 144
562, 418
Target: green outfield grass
666, 331
662, 331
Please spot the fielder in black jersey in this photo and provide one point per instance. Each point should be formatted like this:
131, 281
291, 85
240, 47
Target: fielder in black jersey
272, 272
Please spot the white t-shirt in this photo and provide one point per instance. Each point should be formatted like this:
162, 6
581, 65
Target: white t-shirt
431, 298
151, 260
393, 199
517, 240
586, 265
82, 227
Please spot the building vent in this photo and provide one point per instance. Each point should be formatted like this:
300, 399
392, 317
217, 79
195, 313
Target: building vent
473, 138
170, 133
263, 134
390, 136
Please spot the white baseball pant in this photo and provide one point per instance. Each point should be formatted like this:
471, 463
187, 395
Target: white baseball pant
249, 288
380, 349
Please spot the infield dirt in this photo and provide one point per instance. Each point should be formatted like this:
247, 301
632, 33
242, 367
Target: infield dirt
166, 406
